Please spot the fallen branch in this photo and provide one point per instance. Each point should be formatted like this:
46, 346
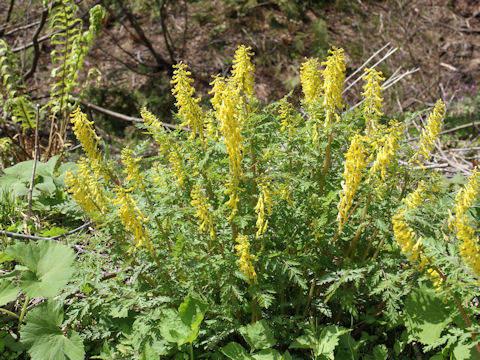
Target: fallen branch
33, 237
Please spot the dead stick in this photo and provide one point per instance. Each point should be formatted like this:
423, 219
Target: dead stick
35, 159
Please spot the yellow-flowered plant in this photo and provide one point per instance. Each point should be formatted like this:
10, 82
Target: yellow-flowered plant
372, 109
246, 259
469, 248
310, 79
132, 170
131, 216
285, 114
356, 159
200, 203
431, 132
386, 148
243, 71
85, 133
264, 199
86, 187
333, 79
188, 108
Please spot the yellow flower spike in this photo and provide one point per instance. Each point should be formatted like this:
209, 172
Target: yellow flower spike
132, 170
265, 197
356, 160
200, 203
469, 247
188, 108
229, 109
245, 258
310, 79
86, 187
372, 109
85, 133
131, 216
431, 132
387, 146
243, 71
177, 167
285, 114
333, 79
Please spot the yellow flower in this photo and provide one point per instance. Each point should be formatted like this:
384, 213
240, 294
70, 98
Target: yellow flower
85, 133
245, 260
200, 203
131, 216
372, 109
155, 128
286, 115
431, 132
310, 79
86, 187
230, 112
386, 147
333, 79
177, 166
131, 170
469, 248
188, 108
265, 197
243, 71
356, 160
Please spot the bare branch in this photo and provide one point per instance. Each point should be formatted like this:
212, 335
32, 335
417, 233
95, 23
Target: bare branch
7, 20
36, 46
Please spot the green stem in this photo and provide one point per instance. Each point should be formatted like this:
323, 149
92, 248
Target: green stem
5, 311
24, 311
191, 350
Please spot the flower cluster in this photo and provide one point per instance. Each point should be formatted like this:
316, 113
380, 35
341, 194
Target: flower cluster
469, 248
85, 133
132, 170
245, 258
200, 203
356, 160
431, 132
333, 79
243, 71
265, 197
285, 114
131, 216
386, 147
372, 109
310, 79
188, 108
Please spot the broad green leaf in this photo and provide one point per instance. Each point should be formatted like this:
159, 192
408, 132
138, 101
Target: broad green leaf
5, 257
267, 354
192, 311
8, 291
44, 338
426, 315
464, 351
258, 335
50, 266
47, 169
21, 171
328, 341
235, 351
173, 329
347, 348
380, 352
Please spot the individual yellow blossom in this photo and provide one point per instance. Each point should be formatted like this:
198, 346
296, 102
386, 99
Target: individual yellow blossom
229, 110
85, 133
431, 132
132, 170
356, 160
469, 248
243, 71
86, 187
188, 108
333, 79
286, 115
131, 216
372, 109
265, 197
245, 258
200, 203
386, 147
310, 79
